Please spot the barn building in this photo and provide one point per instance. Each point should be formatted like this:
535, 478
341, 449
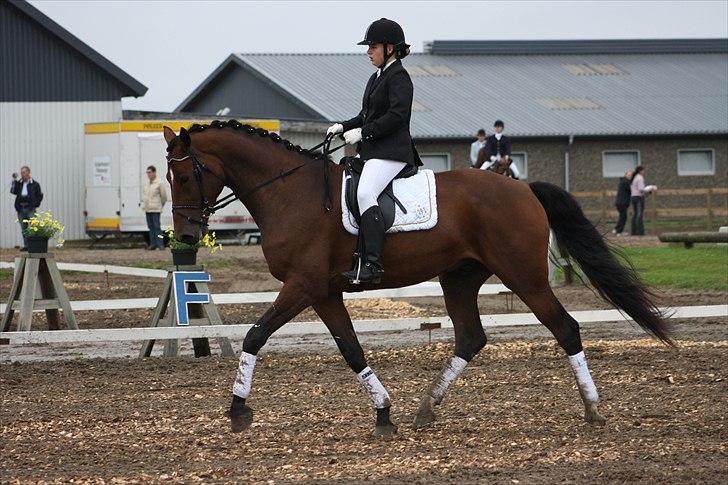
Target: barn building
579, 112
52, 83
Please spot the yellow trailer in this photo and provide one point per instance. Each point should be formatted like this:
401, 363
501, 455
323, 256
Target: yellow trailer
116, 157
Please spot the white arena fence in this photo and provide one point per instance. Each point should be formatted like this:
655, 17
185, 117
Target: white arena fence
318, 328
426, 289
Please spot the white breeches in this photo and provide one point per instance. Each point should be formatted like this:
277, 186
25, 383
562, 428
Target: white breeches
375, 177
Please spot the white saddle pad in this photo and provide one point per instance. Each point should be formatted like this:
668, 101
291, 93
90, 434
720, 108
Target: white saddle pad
417, 195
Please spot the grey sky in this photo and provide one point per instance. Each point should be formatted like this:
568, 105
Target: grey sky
171, 46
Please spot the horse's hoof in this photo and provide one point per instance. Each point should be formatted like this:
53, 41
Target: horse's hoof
384, 430
592, 416
425, 417
240, 422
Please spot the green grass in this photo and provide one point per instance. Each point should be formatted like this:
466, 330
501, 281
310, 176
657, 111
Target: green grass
703, 267
698, 268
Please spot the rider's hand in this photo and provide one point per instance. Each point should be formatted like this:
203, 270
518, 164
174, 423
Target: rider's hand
335, 128
353, 136
492, 158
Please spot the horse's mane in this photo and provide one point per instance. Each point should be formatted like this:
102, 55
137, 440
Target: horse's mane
252, 130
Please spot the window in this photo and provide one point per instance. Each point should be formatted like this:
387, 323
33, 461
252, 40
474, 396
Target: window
594, 69
615, 163
438, 162
520, 160
695, 162
417, 106
423, 70
568, 103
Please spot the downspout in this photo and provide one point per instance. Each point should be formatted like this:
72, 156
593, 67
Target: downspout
567, 181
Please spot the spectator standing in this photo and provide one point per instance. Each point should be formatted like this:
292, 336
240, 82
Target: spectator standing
28, 197
624, 196
476, 146
154, 198
639, 190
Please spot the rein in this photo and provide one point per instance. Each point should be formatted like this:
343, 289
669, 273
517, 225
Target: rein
208, 209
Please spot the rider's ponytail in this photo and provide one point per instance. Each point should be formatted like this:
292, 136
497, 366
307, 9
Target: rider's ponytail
401, 51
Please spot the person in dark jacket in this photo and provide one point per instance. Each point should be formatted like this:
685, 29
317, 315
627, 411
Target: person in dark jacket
382, 127
28, 197
622, 201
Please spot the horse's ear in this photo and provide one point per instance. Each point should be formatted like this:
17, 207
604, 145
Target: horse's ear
168, 134
184, 135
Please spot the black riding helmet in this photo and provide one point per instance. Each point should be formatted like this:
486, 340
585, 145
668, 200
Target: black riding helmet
385, 31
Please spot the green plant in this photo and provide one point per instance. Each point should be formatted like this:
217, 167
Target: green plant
42, 224
208, 241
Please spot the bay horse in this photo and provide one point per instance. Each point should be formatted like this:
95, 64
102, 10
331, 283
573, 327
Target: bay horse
501, 167
307, 248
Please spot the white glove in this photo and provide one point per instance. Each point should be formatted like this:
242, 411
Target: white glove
492, 158
353, 136
335, 128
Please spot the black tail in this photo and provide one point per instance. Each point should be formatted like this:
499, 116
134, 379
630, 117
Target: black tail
616, 283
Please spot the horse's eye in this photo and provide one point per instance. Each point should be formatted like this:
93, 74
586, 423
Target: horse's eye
183, 179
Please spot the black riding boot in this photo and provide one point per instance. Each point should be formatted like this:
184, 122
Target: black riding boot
370, 270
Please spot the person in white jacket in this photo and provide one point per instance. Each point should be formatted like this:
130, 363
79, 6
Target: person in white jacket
154, 198
476, 146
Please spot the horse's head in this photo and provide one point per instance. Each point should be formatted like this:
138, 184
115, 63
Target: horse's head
196, 179
501, 166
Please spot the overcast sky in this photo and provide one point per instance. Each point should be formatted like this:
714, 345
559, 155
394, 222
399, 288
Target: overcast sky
171, 46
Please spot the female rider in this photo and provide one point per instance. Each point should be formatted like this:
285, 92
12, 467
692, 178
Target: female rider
382, 127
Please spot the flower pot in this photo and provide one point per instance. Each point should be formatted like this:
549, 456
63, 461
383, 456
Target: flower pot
184, 257
37, 244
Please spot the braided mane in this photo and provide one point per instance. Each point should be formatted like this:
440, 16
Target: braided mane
252, 130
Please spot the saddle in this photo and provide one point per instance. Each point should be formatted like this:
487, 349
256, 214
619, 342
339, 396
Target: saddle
387, 201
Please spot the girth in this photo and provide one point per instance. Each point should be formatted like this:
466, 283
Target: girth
386, 201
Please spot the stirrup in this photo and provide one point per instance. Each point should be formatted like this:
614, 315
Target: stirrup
365, 274
353, 275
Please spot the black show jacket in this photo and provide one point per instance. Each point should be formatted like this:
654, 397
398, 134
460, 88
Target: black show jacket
385, 117
496, 147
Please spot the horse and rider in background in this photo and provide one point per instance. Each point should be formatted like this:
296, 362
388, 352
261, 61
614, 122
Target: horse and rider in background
495, 154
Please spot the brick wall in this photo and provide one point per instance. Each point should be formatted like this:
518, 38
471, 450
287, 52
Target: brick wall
546, 159
657, 155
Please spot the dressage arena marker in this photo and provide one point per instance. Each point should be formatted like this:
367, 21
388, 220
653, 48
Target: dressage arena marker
204, 313
426, 289
33, 270
318, 328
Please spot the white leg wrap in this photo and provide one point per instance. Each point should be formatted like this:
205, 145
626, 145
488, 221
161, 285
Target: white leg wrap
244, 378
447, 376
583, 377
377, 392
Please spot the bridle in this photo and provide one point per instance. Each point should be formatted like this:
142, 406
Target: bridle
206, 209
204, 205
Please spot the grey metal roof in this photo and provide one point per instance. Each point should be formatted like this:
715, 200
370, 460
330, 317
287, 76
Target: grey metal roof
536, 95
591, 46
32, 51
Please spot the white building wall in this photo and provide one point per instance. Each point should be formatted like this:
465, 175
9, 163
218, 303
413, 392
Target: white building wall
48, 137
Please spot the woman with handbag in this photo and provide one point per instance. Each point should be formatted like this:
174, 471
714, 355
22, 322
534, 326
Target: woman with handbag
382, 129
